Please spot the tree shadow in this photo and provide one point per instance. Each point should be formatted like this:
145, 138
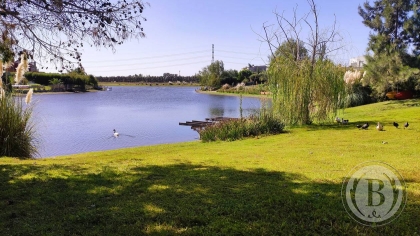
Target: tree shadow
176, 199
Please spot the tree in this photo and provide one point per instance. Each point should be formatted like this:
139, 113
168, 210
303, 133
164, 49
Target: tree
55, 30
291, 48
211, 75
394, 43
244, 74
305, 85
229, 77
55, 83
80, 70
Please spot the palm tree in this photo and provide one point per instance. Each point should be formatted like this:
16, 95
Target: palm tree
55, 83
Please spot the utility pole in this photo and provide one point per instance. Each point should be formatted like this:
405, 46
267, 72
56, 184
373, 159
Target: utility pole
212, 51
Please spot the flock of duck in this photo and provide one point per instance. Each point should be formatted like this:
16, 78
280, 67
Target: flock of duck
379, 126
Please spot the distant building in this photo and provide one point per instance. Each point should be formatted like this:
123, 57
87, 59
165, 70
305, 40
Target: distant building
31, 66
357, 62
169, 75
255, 69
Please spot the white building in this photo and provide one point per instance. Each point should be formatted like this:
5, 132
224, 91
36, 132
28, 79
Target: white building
357, 62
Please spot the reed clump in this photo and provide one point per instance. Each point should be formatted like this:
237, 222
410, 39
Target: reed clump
262, 123
17, 132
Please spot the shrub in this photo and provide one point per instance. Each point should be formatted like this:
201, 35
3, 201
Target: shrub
226, 86
17, 133
357, 95
262, 123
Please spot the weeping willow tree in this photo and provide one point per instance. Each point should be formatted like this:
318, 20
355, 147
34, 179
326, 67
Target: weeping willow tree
310, 88
303, 92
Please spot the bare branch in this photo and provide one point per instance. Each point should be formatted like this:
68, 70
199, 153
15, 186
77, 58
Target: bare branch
54, 30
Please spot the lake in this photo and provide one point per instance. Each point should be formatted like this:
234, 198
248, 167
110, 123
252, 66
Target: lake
83, 122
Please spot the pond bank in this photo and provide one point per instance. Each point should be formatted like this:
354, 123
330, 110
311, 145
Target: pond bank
110, 84
233, 94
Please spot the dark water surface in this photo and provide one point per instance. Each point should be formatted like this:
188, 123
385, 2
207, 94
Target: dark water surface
83, 122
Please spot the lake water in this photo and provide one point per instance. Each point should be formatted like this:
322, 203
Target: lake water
84, 122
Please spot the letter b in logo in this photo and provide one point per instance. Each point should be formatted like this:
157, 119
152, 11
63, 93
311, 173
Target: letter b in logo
374, 194
378, 191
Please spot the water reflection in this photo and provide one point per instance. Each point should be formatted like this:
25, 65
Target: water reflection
75, 123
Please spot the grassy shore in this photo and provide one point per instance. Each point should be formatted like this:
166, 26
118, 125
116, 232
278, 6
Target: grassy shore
233, 94
284, 184
110, 84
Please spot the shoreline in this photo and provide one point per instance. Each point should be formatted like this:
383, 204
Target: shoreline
110, 84
54, 93
232, 94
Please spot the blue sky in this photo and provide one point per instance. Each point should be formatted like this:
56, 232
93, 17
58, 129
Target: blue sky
180, 34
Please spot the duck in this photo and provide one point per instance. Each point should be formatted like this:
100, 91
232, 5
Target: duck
406, 125
338, 120
116, 134
365, 126
380, 127
396, 124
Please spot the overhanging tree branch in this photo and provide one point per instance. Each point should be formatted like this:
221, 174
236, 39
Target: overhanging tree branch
54, 30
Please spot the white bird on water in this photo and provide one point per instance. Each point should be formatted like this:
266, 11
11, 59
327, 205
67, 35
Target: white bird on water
116, 134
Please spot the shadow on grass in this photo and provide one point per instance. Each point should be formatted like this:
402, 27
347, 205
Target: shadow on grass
176, 199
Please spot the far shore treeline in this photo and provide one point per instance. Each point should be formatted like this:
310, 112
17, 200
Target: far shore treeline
148, 79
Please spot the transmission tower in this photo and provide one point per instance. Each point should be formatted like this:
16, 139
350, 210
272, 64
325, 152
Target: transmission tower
212, 53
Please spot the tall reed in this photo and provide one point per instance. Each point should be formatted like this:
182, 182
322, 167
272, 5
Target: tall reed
17, 132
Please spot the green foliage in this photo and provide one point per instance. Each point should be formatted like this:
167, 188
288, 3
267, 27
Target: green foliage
244, 74
230, 77
394, 44
211, 75
79, 70
17, 133
69, 80
262, 123
258, 77
55, 83
6, 52
303, 92
357, 95
292, 49
93, 81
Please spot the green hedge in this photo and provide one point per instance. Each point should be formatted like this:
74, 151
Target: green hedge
71, 79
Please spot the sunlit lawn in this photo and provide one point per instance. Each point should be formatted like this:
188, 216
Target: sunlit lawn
284, 184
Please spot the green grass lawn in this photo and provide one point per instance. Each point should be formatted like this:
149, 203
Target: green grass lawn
284, 184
